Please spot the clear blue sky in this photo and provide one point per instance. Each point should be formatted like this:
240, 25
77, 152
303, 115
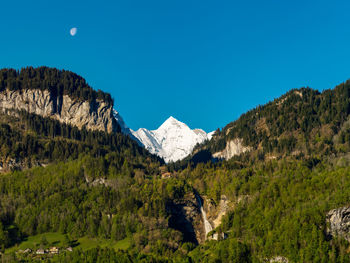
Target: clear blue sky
203, 62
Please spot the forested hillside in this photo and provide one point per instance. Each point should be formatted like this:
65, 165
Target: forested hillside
303, 122
279, 209
95, 197
28, 140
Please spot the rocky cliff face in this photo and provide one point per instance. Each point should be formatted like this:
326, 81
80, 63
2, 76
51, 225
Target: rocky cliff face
186, 216
216, 212
95, 115
339, 222
234, 147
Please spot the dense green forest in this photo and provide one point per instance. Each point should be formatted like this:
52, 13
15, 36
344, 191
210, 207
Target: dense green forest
36, 140
284, 206
68, 198
282, 211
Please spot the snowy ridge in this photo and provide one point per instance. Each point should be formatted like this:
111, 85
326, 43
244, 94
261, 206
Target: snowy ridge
148, 140
121, 122
172, 141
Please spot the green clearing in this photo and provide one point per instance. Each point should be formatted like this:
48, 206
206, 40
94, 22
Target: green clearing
86, 243
57, 239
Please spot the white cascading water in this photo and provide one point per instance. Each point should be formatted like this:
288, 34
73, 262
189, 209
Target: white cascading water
207, 225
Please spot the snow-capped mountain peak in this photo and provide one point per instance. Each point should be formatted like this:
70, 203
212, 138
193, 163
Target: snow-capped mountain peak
172, 122
173, 140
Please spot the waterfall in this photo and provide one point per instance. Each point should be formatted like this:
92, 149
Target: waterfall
207, 225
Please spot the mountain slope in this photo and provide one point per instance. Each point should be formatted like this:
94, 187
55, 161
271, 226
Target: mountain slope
303, 122
173, 140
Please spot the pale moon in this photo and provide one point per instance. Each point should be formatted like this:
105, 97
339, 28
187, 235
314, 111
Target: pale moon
73, 31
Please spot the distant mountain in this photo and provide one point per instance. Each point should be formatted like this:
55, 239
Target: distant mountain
172, 141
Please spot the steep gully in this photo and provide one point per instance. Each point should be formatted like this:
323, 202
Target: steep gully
188, 215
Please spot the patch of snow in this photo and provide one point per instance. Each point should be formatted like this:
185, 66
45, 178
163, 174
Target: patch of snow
121, 122
210, 134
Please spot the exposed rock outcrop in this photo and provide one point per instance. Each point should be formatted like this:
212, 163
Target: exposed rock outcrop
278, 259
339, 222
10, 164
97, 181
94, 115
186, 217
233, 147
221, 210
191, 214
215, 213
